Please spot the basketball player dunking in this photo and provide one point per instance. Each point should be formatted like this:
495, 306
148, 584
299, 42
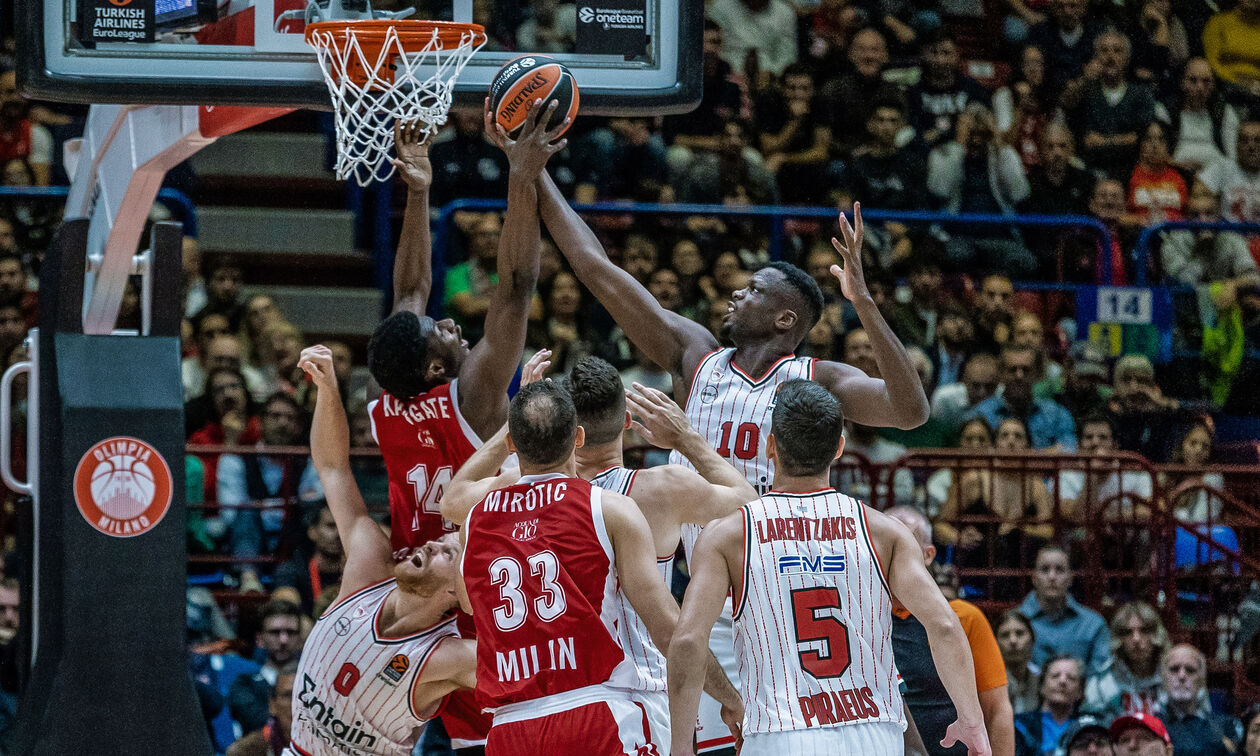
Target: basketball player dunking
441, 398
668, 496
813, 573
728, 393
380, 660
542, 564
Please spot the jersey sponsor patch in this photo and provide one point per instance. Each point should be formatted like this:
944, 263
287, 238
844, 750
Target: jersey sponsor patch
797, 564
397, 667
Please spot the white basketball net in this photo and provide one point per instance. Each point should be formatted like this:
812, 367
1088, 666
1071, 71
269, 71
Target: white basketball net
395, 90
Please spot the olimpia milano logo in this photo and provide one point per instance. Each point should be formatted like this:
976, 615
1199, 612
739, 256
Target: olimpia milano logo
610, 17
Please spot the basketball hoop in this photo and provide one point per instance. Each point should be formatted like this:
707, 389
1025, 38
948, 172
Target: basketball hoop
382, 71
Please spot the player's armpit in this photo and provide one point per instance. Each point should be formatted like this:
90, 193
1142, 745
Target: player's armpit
866, 400
454, 661
700, 502
477, 478
635, 557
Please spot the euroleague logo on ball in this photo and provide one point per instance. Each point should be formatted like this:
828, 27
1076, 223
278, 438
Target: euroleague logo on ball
122, 487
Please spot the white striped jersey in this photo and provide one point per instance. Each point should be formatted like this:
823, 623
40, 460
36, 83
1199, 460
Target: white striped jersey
733, 411
633, 634
353, 692
813, 624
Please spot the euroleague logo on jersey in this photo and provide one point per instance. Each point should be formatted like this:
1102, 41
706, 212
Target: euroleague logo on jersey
122, 487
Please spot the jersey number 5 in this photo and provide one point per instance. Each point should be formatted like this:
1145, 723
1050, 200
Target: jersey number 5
507, 573
429, 492
822, 641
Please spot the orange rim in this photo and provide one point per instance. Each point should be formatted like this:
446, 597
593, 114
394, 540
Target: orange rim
371, 36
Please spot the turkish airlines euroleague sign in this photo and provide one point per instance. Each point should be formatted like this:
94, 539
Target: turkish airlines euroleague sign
118, 21
122, 487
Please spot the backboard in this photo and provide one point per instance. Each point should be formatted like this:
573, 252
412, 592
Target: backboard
630, 57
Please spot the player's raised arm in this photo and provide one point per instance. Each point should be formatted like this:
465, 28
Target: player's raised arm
667, 338
413, 262
489, 367
917, 591
718, 489
481, 473
897, 398
368, 557
711, 579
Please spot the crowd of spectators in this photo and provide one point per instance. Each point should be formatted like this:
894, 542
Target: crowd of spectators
1130, 113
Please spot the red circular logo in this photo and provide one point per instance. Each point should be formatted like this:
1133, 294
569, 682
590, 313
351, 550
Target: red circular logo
122, 487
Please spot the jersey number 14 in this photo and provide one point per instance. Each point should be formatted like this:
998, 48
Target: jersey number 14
429, 492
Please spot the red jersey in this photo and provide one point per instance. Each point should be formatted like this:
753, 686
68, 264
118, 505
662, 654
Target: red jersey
538, 566
424, 442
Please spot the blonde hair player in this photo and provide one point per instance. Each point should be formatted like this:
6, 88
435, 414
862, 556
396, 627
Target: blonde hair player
380, 660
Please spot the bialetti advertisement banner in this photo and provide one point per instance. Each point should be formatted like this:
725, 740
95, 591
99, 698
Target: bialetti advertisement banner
612, 27
117, 21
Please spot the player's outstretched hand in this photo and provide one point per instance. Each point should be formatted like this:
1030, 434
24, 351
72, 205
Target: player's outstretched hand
411, 142
973, 736
661, 422
317, 361
852, 282
536, 367
528, 153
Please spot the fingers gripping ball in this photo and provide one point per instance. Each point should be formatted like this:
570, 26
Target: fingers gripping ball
525, 79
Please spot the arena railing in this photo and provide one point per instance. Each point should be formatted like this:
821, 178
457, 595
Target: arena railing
1146, 239
50, 193
777, 215
1122, 530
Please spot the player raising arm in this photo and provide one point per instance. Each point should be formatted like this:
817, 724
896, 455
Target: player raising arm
767, 321
379, 661
544, 557
813, 606
441, 397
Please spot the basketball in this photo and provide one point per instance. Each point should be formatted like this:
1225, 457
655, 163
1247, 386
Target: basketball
525, 79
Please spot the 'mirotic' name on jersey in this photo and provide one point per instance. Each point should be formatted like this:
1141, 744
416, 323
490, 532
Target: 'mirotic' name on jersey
797, 564
535, 497
806, 529
418, 410
523, 663
327, 722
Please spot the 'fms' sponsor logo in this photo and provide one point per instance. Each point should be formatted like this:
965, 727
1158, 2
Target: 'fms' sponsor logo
819, 565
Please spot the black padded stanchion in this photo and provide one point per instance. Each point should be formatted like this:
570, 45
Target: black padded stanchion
106, 614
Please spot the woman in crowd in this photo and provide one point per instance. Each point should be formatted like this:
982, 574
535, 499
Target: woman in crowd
998, 504
564, 328
1157, 191
1131, 683
1023, 107
1015, 638
1060, 690
234, 422
261, 311
1191, 503
975, 436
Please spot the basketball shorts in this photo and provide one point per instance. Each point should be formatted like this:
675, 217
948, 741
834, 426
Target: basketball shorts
867, 738
588, 721
465, 724
712, 734
656, 706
